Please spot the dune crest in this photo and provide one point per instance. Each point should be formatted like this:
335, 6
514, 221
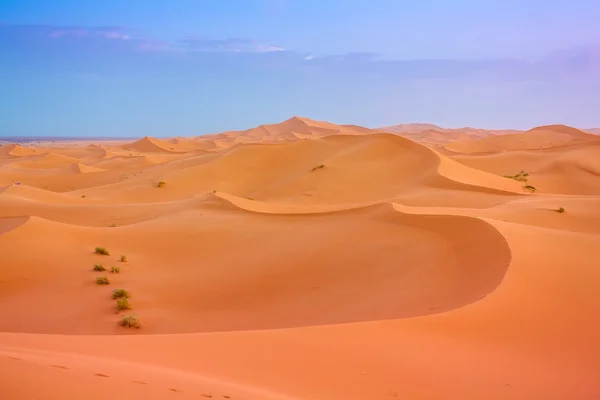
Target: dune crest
150, 145
17, 151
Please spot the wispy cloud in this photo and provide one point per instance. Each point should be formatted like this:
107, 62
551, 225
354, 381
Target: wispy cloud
23, 32
106, 33
105, 42
268, 48
241, 45
138, 42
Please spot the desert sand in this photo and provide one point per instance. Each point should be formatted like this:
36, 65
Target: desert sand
436, 136
304, 260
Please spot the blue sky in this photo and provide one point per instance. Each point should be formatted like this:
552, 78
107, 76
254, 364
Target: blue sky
187, 67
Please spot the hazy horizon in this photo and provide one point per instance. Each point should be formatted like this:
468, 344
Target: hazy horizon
43, 138
186, 68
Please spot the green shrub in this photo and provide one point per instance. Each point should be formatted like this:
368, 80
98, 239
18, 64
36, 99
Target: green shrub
130, 321
318, 167
102, 250
160, 184
120, 293
115, 270
123, 304
102, 280
99, 267
520, 177
560, 210
531, 188
124, 259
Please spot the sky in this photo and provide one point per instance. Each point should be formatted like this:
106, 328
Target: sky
189, 67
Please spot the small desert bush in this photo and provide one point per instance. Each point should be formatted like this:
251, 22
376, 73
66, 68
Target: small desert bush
83, 196
130, 321
102, 280
102, 250
120, 293
112, 226
318, 167
123, 258
115, 270
160, 184
99, 267
123, 304
560, 210
531, 188
520, 177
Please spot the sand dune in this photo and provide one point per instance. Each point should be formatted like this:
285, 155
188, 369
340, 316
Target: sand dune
315, 289
289, 130
572, 168
304, 260
544, 137
17, 151
48, 160
150, 145
433, 135
336, 169
410, 128
79, 168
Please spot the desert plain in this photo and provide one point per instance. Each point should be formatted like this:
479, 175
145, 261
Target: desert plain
303, 260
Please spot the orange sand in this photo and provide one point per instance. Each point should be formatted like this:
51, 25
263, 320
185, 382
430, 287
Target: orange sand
304, 260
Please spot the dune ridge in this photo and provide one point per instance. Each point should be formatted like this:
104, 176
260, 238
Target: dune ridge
150, 145
304, 260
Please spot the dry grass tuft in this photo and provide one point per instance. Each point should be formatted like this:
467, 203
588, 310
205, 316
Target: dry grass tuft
102, 251
130, 321
102, 280
123, 304
120, 293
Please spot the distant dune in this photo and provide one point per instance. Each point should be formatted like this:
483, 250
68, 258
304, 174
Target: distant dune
290, 130
434, 135
150, 145
410, 128
17, 151
303, 260
543, 137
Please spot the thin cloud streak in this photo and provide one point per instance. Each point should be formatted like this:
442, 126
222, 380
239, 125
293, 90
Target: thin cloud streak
234, 54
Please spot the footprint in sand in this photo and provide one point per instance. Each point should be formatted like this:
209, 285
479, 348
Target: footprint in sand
14, 358
140, 382
175, 390
102, 375
59, 366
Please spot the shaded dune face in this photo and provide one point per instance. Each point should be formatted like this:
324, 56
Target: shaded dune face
286, 270
7, 224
